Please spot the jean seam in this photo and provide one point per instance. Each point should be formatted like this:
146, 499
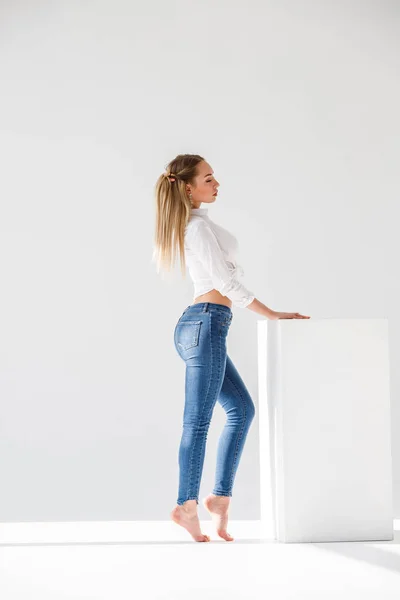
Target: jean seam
205, 434
240, 433
190, 485
220, 346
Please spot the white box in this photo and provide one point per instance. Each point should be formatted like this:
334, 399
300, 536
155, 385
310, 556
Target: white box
324, 417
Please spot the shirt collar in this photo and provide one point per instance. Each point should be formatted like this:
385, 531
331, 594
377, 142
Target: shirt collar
199, 211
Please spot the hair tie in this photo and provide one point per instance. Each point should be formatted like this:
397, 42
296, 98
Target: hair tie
171, 176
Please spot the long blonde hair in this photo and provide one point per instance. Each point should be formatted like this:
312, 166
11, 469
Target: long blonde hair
173, 209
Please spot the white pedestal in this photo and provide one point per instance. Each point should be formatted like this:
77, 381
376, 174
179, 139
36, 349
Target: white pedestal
324, 415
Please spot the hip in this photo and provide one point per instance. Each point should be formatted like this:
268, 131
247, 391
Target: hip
215, 297
201, 328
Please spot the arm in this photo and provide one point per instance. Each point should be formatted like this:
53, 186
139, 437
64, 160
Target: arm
204, 243
261, 309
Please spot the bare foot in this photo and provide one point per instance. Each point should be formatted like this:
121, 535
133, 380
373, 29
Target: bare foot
218, 507
186, 515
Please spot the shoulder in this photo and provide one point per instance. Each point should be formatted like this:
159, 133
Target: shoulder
195, 227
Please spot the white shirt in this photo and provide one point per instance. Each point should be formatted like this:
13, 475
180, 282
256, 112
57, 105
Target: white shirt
210, 254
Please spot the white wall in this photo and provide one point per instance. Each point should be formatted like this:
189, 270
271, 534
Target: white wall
294, 104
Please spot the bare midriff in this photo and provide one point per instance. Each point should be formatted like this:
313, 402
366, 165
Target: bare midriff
213, 296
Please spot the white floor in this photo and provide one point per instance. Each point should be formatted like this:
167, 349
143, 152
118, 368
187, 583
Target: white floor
158, 560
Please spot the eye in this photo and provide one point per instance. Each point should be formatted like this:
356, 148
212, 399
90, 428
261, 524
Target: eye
208, 180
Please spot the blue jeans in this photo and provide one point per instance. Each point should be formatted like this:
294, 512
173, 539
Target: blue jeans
200, 340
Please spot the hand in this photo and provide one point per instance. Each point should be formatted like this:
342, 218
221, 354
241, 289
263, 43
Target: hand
284, 315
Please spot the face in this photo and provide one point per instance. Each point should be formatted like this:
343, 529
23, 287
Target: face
205, 187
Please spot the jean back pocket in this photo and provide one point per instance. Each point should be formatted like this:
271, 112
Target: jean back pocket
187, 334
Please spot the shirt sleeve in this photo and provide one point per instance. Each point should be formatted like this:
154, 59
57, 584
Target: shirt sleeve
205, 245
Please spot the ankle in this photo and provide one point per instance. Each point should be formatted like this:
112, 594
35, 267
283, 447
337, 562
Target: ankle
219, 497
190, 506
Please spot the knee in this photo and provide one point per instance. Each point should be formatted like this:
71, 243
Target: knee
196, 425
250, 411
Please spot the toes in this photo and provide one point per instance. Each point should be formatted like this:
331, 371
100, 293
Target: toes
226, 536
203, 538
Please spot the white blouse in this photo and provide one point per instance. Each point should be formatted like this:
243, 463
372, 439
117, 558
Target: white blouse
210, 253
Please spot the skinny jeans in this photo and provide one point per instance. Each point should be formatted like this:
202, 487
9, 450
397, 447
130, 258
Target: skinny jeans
210, 376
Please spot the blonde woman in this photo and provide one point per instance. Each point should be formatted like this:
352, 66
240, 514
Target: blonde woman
209, 251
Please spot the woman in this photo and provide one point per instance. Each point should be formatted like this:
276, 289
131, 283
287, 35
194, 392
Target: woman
200, 335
